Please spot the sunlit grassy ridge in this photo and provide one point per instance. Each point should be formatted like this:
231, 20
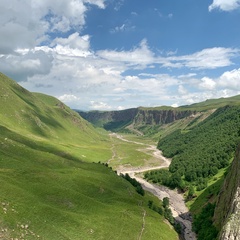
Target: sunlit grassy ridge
44, 118
202, 106
50, 189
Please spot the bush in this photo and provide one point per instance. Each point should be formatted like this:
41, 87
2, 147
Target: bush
135, 183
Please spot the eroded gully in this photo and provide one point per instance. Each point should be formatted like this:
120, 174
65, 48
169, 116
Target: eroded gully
177, 204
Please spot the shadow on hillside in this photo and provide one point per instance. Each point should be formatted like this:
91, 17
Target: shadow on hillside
209, 195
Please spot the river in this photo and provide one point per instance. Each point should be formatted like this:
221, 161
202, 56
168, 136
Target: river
177, 203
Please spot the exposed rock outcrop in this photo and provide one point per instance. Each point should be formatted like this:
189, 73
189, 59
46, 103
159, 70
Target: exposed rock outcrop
158, 117
227, 212
136, 116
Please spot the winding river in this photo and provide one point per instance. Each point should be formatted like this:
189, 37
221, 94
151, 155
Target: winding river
177, 204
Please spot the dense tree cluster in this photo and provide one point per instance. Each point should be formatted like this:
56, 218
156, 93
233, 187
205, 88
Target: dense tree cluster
135, 183
199, 152
203, 224
164, 177
166, 212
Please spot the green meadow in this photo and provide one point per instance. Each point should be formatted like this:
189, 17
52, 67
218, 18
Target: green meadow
132, 152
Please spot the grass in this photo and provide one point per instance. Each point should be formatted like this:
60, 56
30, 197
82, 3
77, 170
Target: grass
202, 106
50, 186
61, 198
131, 154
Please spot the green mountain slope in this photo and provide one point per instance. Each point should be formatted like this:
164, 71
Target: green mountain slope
42, 117
50, 189
200, 151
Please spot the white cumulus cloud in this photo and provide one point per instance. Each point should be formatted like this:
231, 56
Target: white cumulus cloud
68, 98
27, 23
43, 47
209, 58
207, 83
224, 5
230, 79
140, 55
25, 64
100, 106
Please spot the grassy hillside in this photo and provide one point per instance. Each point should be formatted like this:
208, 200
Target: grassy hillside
50, 189
44, 118
214, 103
60, 198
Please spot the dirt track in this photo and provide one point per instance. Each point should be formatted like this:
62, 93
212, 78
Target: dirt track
177, 204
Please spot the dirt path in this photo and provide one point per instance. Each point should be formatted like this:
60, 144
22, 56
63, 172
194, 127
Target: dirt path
143, 225
177, 204
131, 128
113, 151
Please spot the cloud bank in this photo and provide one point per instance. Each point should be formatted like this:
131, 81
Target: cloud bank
46, 52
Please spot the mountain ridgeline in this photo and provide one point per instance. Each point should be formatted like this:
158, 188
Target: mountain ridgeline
142, 117
139, 117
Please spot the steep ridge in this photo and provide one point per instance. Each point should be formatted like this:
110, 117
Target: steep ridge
43, 118
136, 117
36, 113
159, 117
227, 212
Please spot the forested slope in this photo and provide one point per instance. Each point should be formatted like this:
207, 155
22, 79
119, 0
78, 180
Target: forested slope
199, 152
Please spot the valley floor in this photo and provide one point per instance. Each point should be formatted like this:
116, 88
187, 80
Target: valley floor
177, 204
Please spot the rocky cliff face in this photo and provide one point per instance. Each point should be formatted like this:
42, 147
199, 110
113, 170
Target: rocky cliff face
227, 212
158, 117
137, 116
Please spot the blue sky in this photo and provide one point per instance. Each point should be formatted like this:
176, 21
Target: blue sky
118, 54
